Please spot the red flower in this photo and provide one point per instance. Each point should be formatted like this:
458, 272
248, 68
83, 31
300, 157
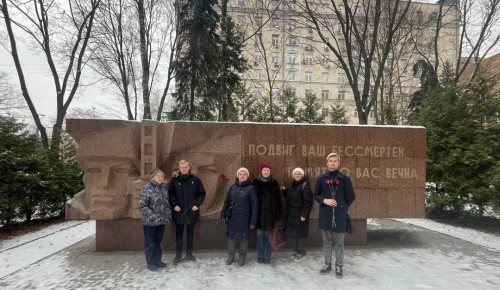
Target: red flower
224, 178
329, 181
337, 181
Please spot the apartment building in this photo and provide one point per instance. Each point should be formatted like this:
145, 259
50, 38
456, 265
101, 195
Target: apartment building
284, 49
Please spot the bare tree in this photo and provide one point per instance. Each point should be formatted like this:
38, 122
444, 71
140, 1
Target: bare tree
409, 43
60, 30
10, 101
353, 31
478, 33
134, 65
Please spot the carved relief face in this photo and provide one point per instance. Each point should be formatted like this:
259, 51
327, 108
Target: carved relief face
108, 182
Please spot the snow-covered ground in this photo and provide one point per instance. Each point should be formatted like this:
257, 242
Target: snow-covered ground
400, 254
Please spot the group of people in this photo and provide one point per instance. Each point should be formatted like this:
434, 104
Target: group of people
250, 204
184, 193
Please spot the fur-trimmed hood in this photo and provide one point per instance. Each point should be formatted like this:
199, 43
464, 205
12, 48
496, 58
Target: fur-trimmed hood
177, 173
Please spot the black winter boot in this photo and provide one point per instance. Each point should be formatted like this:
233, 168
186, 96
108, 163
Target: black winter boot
241, 261
230, 259
326, 269
189, 255
338, 271
178, 258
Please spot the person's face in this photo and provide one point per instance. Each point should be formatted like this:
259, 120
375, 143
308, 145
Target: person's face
159, 178
333, 163
108, 181
184, 168
297, 176
242, 176
265, 172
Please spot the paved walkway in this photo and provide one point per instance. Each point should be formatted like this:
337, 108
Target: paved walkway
19, 253
398, 256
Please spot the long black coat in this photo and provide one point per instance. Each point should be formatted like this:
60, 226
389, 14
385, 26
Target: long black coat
270, 206
299, 202
185, 191
244, 213
344, 196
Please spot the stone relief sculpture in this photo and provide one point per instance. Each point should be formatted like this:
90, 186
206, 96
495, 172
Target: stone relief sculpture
110, 161
386, 165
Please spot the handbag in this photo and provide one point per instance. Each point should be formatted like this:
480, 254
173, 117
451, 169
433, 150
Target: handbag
349, 228
277, 239
228, 212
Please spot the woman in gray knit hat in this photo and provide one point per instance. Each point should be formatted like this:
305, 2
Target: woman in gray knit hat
155, 213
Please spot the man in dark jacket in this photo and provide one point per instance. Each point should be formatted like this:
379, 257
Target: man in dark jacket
334, 193
186, 194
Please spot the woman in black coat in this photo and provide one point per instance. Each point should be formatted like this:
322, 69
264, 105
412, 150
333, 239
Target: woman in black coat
240, 214
299, 201
268, 193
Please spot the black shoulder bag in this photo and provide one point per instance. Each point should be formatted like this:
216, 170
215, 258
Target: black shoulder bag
229, 210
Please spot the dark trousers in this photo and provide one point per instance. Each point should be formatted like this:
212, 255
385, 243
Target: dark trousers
242, 247
179, 234
300, 245
152, 240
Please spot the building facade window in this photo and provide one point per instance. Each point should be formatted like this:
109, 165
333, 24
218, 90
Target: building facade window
274, 74
324, 77
275, 58
275, 93
309, 44
275, 4
341, 95
325, 45
293, 41
258, 74
342, 44
275, 39
325, 94
308, 76
258, 38
258, 21
292, 75
309, 24
240, 20
275, 22
342, 79
259, 4
258, 57
308, 59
